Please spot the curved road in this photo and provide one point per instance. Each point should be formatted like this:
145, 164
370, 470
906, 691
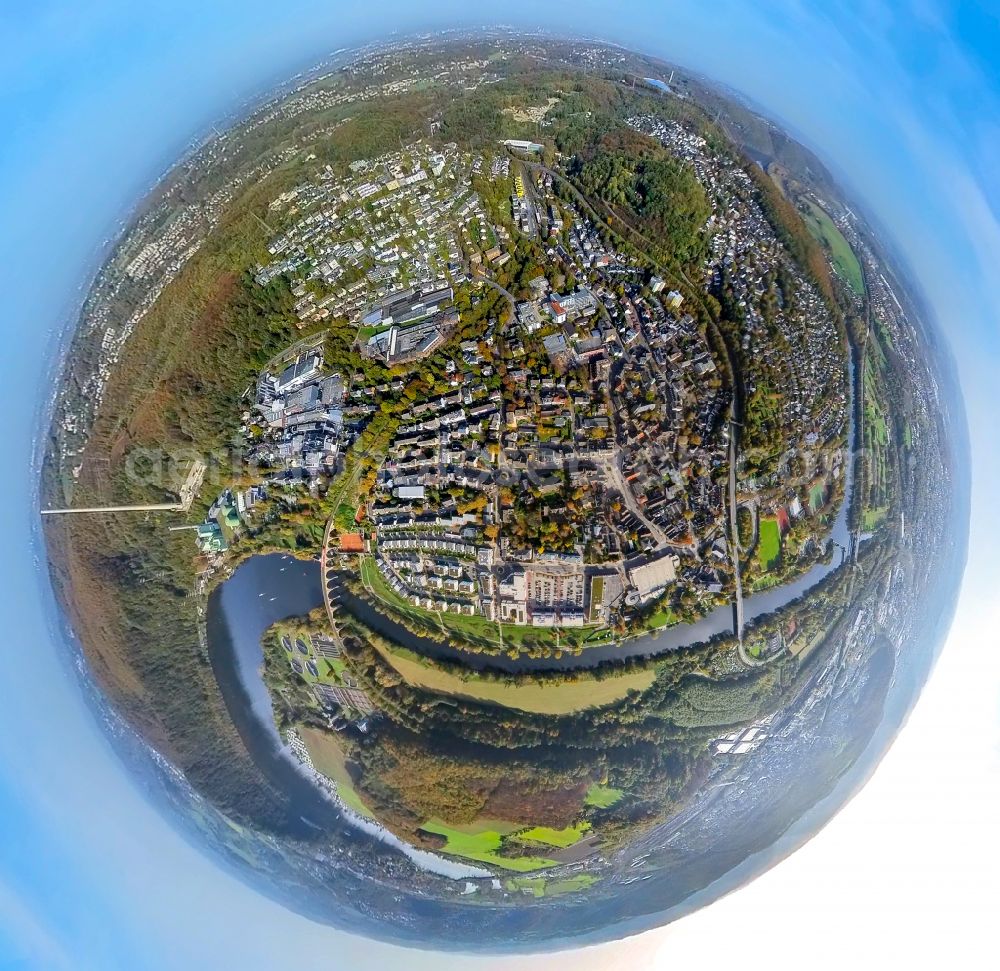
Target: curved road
511, 299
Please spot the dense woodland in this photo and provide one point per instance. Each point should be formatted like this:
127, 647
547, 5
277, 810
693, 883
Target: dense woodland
630, 171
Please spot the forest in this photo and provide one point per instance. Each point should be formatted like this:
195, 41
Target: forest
631, 172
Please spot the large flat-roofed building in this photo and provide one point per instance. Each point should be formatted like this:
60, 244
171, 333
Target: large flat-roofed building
398, 344
304, 369
410, 492
579, 303
522, 145
409, 304
606, 590
513, 584
512, 587
651, 577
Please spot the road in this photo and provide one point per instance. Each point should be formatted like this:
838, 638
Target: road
612, 467
346, 485
734, 408
511, 299
616, 480
614, 473
735, 542
678, 277
314, 341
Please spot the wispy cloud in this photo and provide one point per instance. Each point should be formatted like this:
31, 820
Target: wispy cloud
27, 939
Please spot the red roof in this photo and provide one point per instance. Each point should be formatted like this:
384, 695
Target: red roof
782, 516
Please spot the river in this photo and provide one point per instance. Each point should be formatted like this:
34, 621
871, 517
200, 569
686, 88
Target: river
262, 591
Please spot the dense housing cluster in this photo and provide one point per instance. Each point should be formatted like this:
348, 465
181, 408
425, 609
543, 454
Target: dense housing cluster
789, 340
355, 245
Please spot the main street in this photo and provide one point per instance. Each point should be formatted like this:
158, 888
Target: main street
613, 476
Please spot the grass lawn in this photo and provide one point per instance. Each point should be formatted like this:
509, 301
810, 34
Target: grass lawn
343, 517
874, 517
560, 838
802, 648
482, 824
768, 543
874, 412
544, 887
842, 256
555, 698
328, 757
664, 617
764, 582
878, 432
482, 846
366, 333
602, 797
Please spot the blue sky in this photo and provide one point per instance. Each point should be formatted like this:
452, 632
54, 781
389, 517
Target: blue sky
902, 99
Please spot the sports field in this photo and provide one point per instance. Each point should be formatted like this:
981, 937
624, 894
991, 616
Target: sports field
817, 496
768, 543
